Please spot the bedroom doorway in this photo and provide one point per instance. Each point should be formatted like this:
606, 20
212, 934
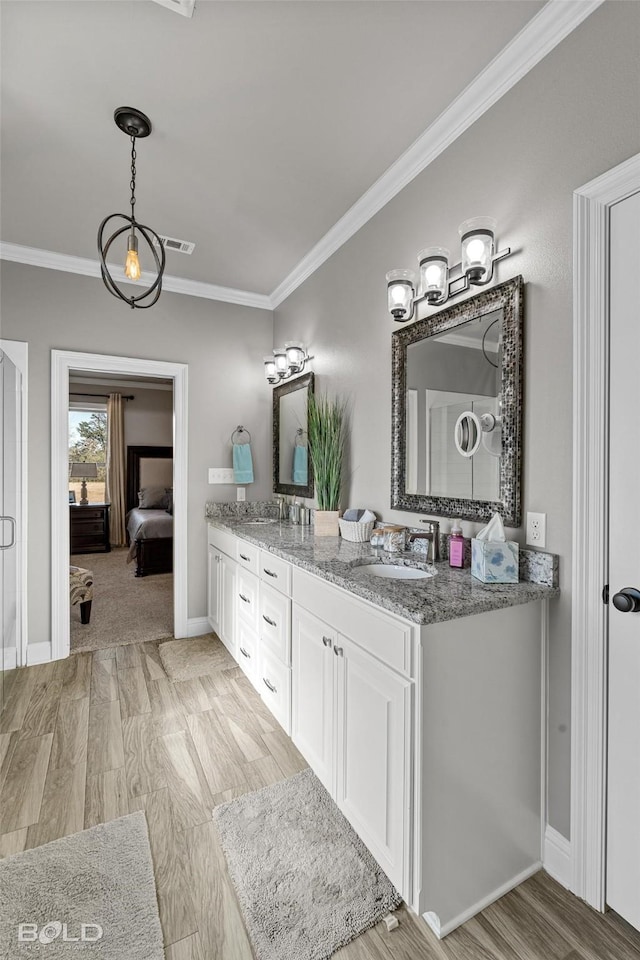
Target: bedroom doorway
80, 473
120, 509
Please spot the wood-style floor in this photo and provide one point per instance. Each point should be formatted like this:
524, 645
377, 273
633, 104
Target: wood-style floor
102, 734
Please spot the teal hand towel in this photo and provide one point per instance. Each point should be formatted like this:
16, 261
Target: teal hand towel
242, 463
300, 471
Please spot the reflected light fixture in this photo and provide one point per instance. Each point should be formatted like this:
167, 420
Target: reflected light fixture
438, 281
286, 362
136, 125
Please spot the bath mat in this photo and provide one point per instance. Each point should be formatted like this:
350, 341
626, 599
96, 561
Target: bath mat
194, 657
101, 878
305, 882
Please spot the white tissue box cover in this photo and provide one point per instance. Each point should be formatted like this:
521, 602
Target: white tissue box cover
494, 561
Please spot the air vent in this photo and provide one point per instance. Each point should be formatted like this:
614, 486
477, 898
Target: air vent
180, 246
184, 7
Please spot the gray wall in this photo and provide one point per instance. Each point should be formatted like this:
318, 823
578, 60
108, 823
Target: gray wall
148, 418
224, 347
573, 117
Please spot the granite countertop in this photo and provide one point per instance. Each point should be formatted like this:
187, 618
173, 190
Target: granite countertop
448, 595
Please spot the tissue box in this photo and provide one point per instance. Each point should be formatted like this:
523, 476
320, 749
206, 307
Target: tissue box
494, 561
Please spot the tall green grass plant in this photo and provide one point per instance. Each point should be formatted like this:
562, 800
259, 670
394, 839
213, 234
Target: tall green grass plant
326, 433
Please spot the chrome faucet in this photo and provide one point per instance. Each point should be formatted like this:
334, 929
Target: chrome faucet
432, 535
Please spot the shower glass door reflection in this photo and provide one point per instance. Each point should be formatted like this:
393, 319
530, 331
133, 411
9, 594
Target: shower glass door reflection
10, 438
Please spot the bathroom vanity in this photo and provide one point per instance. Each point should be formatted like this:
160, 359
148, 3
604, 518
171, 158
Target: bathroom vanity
417, 703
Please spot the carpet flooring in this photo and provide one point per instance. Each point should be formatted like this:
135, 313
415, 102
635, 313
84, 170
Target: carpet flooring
194, 657
102, 878
306, 883
126, 608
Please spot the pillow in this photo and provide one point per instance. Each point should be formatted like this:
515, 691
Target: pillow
168, 499
152, 498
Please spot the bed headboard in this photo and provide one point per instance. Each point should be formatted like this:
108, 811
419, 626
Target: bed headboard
147, 467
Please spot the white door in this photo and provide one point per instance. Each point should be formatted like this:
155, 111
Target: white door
623, 790
312, 710
10, 494
373, 743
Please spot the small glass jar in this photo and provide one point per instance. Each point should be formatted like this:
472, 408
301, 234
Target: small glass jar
377, 537
394, 539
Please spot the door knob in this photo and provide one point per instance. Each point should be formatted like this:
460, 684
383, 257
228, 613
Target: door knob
627, 600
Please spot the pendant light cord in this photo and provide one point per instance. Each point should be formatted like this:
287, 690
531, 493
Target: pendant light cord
132, 183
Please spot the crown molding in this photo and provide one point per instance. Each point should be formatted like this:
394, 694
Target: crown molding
556, 20
91, 268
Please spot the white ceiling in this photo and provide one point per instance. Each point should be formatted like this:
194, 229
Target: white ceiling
271, 119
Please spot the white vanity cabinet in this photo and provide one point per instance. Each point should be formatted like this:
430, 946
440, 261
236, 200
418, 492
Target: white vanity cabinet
312, 700
221, 583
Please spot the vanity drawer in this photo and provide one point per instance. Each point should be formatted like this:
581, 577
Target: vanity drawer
275, 571
387, 638
247, 651
247, 598
274, 684
247, 555
221, 540
275, 623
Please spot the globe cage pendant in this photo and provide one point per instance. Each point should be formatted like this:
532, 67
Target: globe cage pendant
136, 125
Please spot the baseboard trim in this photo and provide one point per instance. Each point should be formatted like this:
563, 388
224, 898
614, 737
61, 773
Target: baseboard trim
196, 626
441, 930
557, 856
38, 653
10, 658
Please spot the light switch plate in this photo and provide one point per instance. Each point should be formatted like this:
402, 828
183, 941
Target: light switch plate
537, 530
220, 475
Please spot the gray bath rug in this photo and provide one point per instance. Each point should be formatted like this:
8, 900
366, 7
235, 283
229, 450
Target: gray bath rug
101, 878
306, 883
194, 657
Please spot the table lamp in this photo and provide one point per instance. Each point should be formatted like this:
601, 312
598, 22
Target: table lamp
84, 472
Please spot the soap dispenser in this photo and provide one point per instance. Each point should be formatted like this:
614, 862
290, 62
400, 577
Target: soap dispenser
456, 545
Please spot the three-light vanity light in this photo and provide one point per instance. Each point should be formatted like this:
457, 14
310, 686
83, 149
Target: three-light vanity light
285, 362
438, 281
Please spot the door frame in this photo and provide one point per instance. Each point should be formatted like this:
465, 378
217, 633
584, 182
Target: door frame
589, 631
62, 363
18, 352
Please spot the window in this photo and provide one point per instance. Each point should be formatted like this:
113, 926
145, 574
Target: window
88, 443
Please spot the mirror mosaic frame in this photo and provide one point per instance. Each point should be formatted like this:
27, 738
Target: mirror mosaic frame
282, 389
510, 297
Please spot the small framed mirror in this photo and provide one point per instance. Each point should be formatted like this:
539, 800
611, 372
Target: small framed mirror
457, 409
292, 473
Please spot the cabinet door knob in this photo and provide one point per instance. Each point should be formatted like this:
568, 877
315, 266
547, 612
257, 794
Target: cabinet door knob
627, 600
271, 623
326, 641
269, 686
339, 652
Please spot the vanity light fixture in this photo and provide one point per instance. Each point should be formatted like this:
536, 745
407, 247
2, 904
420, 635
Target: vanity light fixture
286, 362
438, 281
136, 125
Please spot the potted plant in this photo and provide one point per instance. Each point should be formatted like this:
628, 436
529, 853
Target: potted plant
326, 439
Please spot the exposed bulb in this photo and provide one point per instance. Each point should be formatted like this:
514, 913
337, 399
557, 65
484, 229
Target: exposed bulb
433, 275
132, 265
476, 250
398, 294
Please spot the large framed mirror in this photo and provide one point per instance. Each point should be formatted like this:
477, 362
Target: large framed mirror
457, 409
292, 472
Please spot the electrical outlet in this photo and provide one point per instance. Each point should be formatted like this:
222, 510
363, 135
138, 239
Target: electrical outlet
220, 475
241, 493
537, 529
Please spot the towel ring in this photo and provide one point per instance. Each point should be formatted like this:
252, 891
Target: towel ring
240, 430
301, 438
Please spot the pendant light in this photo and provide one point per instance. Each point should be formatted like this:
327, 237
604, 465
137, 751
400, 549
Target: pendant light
136, 125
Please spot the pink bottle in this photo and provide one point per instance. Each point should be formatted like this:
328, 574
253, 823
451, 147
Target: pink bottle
456, 545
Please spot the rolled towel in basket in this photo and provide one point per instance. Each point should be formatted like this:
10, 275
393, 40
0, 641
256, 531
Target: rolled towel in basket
361, 516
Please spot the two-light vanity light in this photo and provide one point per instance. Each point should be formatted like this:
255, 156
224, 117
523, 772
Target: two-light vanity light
438, 281
285, 363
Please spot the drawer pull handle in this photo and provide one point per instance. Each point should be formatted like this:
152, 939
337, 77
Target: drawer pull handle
271, 623
339, 652
244, 653
243, 556
242, 597
326, 641
270, 573
269, 686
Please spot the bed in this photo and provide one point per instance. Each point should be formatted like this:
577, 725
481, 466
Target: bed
150, 528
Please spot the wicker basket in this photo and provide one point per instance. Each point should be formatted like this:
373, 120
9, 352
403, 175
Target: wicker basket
356, 532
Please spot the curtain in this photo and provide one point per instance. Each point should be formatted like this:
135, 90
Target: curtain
115, 487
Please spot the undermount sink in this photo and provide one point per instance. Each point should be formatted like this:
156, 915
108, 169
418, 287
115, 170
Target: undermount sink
389, 571
260, 520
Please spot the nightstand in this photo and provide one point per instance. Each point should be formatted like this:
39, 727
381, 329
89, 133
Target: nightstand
89, 528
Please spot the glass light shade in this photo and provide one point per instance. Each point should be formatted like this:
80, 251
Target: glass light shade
296, 356
434, 273
270, 370
280, 361
400, 293
477, 240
